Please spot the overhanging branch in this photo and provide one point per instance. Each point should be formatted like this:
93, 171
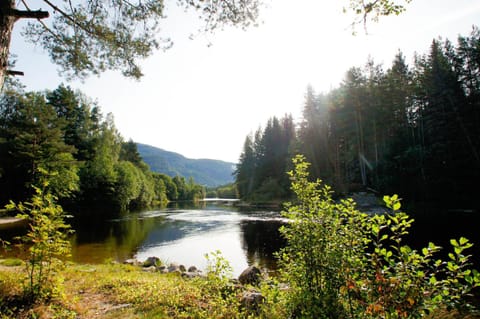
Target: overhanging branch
20, 14
13, 72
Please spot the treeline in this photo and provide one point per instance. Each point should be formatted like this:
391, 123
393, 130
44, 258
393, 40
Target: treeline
412, 130
224, 191
62, 136
261, 172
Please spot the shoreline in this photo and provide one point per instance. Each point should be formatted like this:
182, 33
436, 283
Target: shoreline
10, 221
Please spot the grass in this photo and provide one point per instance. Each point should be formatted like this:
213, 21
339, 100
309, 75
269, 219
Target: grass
11, 262
112, 291
121, 291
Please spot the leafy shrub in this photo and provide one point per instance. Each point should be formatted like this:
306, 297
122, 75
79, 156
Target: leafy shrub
342, 263
46, 242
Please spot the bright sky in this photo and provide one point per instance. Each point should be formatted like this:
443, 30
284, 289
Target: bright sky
201, 101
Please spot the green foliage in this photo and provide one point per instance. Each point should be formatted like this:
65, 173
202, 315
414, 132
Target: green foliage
341, 263
188, 190
128, 184
81, 155
375, 9
165, 188
91, 37
31, 137
218, 267
261, 172
11, 262
321, 247
227, 191
408, 129
46, 241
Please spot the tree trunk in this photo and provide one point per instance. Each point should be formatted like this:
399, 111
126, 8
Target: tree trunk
8, 16
6, 26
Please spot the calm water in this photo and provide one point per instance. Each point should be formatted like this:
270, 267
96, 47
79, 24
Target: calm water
182, 235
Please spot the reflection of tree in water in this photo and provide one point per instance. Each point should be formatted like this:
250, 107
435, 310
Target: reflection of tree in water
260, 240
97, 239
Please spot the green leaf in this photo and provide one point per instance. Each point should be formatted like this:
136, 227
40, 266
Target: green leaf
396, 206
454, 243
386, 199
458, 250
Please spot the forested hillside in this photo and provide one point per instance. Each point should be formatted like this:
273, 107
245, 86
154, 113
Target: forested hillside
410, 129
206, 172
60, 140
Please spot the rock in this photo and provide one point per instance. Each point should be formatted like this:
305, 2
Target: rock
132, 262
251, 300
250, 276
182, 268
118, 307
192, 269
163, 270
190, 275
151, 261
174, 268
150, 269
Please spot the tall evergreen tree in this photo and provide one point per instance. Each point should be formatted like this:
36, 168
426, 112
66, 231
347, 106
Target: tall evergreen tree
81, 119
32, 139
245, 170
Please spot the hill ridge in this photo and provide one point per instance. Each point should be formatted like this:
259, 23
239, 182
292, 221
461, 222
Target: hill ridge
208, 172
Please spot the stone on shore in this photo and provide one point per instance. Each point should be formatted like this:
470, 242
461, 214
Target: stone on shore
252, 300
132, 262
151, 261
250, 276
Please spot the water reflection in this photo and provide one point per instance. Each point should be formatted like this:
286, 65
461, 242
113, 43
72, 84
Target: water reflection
182, 233
243, 239
260, 241
97, 240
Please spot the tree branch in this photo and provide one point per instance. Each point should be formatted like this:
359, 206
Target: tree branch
63, 13
19, 14
12, 72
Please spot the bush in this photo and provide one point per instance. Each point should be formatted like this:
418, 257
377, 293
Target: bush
341, 263
46, 241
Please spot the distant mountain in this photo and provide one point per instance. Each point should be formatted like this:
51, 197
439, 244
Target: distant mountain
204, 171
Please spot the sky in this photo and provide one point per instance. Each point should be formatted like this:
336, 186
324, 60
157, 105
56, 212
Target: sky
202, 97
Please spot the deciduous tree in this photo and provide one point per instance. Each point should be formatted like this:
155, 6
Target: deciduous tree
89, 37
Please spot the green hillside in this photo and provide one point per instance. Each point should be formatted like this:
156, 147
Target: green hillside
204, 171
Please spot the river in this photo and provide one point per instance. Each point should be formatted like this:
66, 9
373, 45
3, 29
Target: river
185, 233
182, 235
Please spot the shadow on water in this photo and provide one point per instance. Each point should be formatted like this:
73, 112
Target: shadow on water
260, 241
438, 225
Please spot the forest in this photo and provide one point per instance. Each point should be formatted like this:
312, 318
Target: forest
410, 129
60, 138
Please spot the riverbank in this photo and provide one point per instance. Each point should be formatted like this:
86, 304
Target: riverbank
115, 290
